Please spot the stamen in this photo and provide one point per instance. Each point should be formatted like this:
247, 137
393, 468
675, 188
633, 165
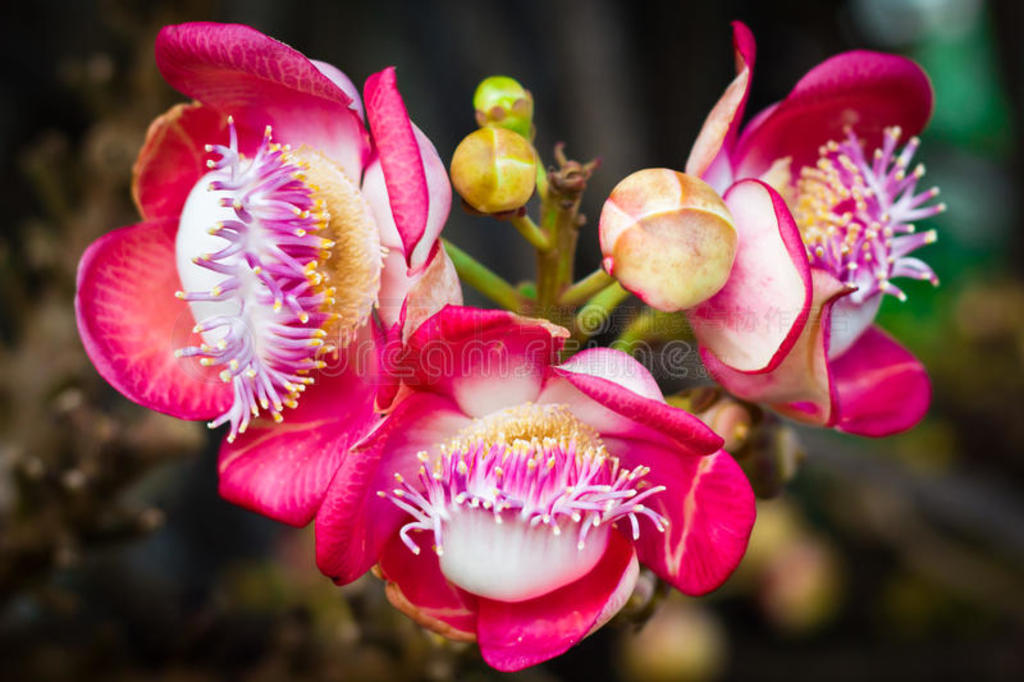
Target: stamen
533, 469
271, 312
856, 216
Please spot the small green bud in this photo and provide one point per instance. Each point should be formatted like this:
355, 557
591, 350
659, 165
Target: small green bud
494, 170
502, 102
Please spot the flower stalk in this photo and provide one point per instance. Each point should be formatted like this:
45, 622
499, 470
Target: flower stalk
483, 279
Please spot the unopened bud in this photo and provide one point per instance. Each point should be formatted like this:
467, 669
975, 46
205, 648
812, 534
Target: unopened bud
668, 238
494, 170
502, 102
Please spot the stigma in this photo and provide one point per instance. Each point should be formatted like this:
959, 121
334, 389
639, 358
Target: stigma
522, 502
279, 259
857, 219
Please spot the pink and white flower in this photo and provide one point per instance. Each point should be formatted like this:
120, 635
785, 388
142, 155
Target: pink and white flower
508, 500
275, 222
825, 204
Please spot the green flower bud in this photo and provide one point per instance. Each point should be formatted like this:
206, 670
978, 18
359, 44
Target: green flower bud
494, 170
502, 102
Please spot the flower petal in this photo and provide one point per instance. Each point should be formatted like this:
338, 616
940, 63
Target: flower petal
866, 90
882, 389
283, 470
239, 71
353, 522
754, 320
439, 190
710, 508
405, 159
516, 635
612, 381
800, 386
417, 588
485, 360
131, 323
173, 158
718, 134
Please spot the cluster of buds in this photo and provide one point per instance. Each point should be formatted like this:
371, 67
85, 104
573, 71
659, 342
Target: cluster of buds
494, 168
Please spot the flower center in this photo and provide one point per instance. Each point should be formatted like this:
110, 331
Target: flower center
280, 260
521, 502
857, 221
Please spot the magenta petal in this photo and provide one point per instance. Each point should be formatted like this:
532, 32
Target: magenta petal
882, 389
753, 322
710, 508
131, 323
800, 387
353, 522
283, 470
239, 71
173, 158
718, 133
485, 360
866, 90
439, 189
612, 383
416, 587
399, 157
516, 635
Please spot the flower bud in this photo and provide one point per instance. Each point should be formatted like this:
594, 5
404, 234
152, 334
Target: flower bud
494, 170
502, 102
668, 238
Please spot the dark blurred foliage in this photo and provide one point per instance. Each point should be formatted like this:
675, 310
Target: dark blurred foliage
901, 558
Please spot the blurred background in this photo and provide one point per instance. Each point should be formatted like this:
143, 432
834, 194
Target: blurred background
901, 558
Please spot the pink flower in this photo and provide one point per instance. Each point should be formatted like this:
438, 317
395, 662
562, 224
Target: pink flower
508, 501
824, 203
273, 224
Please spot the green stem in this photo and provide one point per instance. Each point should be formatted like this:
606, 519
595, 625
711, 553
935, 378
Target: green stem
484, 280
533, 234
542, 181
653, 326
592, 317
582, 290
554, 266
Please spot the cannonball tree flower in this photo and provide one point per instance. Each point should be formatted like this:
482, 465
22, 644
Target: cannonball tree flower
508, 500
274, 223
825, 202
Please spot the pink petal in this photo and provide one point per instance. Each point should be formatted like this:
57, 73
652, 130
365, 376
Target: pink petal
400, 158
800, 386
343, 82
131, 323
718, 134
283, 470
516, 635
439, 189
485, 360
353, 522
754, 320
239, 71
882, 389
416, 587
609, 381
173, 158
709, 504
866, 90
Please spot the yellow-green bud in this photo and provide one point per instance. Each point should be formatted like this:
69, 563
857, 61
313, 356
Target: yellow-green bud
502, 102
494, 170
